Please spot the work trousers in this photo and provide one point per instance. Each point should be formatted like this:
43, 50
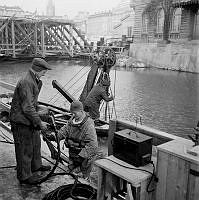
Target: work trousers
77, 161
27, 150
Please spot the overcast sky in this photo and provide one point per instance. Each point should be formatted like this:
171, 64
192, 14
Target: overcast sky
62, 7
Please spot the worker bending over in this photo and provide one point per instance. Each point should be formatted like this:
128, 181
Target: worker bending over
98, 93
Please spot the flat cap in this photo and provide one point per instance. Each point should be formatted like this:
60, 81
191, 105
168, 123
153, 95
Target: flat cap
76, 106
39, 64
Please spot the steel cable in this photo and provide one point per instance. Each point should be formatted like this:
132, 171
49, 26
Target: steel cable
67, 83
72, 85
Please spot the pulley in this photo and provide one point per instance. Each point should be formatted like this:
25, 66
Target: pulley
104, 57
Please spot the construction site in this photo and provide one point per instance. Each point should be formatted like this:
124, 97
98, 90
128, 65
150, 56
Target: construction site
26, 37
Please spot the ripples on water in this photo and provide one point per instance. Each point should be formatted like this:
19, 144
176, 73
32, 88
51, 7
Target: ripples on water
164, 100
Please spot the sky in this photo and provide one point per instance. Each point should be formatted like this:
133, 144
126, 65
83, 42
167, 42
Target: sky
63, 7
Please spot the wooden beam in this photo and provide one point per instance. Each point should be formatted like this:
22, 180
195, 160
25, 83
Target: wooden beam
78, 33
42, 40
25, 34
63, 34
13, 39
56, 34
6, 35
73, 37
6, 22
58, 41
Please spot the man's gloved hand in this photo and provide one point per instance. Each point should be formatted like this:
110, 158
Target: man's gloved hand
44, 125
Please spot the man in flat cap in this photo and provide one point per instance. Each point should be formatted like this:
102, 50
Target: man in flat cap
26, 123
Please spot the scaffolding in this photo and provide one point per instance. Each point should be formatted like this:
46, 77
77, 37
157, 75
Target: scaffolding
39, 37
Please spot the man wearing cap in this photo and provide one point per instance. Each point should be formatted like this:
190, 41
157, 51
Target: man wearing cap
81, 139
94, 98
26, 123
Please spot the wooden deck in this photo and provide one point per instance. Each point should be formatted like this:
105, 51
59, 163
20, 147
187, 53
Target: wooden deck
11, 189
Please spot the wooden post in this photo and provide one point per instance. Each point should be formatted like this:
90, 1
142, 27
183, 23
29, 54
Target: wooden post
13, 39
6, 35
71, 40
112, 129
42, 41
35, 36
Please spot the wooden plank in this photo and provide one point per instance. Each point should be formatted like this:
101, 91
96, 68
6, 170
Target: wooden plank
144, 194
182, 179
193, 184
124, 170
129, 192
179, 148
7, 86
162, 165
172, 172
101, 184
112, 129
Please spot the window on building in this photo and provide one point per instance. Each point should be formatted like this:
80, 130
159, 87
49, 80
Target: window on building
145, 21
129, 31
176, 20
160, 21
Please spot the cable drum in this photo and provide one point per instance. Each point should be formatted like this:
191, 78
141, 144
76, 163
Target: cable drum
77, 191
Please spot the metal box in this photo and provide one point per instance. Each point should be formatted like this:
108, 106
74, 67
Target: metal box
132, 147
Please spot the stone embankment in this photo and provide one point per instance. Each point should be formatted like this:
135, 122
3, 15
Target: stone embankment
128, 63
173, 56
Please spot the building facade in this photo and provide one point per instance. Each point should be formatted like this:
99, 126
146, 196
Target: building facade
166, 34
173, 20
99, 26
122, 20
11, 10
80, 21
112, 24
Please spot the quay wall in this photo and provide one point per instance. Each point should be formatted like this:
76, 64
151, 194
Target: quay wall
173, 56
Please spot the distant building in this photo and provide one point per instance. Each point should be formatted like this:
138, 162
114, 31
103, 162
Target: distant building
50, 9
99, 25
111, 24
122, 20
80, 21
10, 10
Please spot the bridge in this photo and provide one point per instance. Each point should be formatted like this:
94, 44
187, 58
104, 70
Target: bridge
25, 37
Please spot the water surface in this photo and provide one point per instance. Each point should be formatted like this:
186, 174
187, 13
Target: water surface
165, 100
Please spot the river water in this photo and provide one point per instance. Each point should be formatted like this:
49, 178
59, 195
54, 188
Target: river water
164, 100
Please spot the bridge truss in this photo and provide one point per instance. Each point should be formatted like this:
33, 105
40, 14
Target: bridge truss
31, 37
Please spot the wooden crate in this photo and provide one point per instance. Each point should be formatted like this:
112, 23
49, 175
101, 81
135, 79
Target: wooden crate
178, 172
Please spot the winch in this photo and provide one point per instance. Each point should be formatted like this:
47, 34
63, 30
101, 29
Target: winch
132, 147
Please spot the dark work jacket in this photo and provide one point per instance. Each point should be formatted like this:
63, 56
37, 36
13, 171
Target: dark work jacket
94, 98
24, 102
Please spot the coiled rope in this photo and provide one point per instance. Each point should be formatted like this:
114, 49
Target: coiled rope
76, 191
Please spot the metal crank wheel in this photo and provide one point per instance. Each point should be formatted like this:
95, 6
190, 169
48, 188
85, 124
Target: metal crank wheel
102, 59
110, 57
